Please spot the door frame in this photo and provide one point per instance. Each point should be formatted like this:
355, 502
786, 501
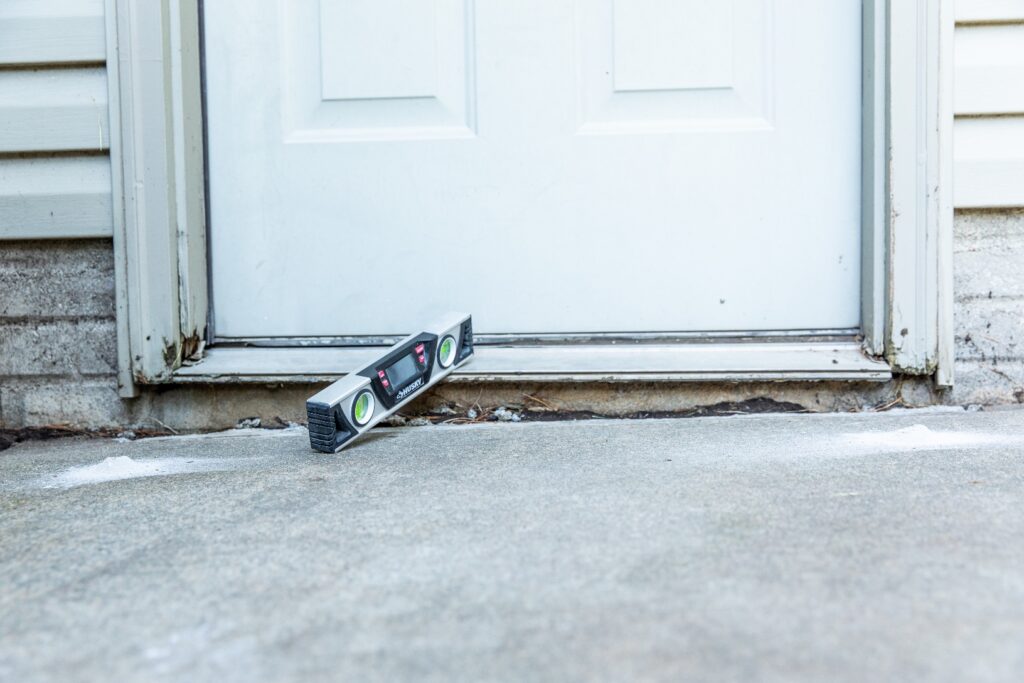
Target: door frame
160, 246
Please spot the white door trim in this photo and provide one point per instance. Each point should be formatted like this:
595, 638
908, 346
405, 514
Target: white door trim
156, 154
160, 229
919, 329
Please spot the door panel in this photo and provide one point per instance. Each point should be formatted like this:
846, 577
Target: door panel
374, 70
678, 65
548, 165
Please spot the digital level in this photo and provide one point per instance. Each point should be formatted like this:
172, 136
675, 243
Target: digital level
358, 401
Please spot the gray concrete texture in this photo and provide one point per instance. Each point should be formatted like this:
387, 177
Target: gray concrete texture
989, 309
57, 350
869, 547
57, 336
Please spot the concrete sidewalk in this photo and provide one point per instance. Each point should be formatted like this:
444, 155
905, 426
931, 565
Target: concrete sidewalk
882, 547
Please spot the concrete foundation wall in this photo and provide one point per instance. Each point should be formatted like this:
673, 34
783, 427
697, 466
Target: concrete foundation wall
58, 355
988, 267
57, 335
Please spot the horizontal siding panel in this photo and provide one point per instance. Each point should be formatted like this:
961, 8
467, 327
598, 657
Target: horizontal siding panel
53, 110
989, 162
983, 11
55, 197
990, 69
51, 31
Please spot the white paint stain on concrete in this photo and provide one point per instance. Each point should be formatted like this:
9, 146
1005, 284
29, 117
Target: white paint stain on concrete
124, 467
918, 437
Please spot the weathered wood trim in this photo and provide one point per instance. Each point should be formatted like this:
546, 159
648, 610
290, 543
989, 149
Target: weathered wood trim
190, 177
126, 386
161, 231
919, 123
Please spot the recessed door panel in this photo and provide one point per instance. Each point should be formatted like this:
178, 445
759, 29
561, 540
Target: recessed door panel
375, 70
675, 65
682, 45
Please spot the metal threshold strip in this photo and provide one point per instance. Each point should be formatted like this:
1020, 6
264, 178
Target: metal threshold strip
591, 338
705, 362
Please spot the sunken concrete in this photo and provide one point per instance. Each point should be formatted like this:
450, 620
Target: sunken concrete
774, 548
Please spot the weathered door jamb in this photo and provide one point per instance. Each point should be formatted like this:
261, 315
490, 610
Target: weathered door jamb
158, 186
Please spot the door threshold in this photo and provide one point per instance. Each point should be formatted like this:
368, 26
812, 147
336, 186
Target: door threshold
706, 362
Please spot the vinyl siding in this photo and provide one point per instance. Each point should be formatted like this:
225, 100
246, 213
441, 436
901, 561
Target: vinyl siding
54, 120
989, 104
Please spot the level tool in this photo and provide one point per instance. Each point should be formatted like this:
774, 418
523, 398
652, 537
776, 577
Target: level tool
355, 403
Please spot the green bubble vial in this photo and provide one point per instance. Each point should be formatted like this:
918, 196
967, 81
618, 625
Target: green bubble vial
446, 351
363, 408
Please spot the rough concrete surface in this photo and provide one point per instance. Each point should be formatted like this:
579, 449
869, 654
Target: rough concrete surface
989, 289
868, 547
57, 334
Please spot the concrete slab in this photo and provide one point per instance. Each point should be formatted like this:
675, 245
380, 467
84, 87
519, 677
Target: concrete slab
774, 548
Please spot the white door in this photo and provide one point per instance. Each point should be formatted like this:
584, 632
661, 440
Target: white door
547, 165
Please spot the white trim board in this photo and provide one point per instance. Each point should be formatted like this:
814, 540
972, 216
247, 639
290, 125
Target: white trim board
157, 169
695, 362
920, 215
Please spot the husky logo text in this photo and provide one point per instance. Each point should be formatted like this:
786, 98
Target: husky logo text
409, 389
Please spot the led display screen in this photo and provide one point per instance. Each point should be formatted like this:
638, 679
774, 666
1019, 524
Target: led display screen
402, 370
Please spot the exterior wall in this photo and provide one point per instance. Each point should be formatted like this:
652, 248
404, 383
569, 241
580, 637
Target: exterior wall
57, 350
54, 125
988, 267
56, 297
57, 334
988, 175
989, 104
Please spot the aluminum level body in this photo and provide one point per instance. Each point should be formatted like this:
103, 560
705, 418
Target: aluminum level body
350, 407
